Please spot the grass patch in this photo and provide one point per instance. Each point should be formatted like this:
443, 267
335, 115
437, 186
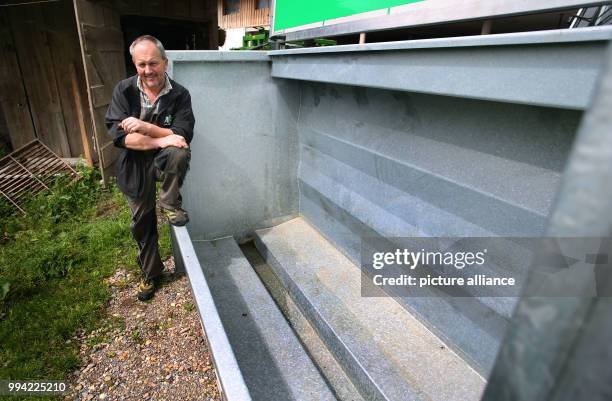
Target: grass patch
53, 263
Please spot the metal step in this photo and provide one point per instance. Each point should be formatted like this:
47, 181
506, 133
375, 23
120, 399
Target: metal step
386, 351
273, 363
341, 384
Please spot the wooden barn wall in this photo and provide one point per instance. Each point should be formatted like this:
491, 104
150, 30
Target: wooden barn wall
194, 10
39, 44
248, 15
204, 11
13, 99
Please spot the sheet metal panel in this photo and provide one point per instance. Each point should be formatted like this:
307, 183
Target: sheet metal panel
551, 68
559, 348
244, 163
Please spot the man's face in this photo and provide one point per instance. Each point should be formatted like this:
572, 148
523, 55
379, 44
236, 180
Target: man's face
150, 66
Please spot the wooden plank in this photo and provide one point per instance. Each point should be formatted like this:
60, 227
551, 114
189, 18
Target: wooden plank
94, 77
177, 8
115, 63
112, 18
102, 54
126, 7
213, 27
153, 8
63, 43
80, 114
197, 9
100, 96
101, 38
31, 41
110, 152
90, 13
248, 16
13, 99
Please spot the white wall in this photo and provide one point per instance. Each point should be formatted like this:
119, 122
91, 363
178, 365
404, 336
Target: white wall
233, 38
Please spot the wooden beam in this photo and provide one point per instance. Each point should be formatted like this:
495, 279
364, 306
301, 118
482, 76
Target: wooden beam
80, 115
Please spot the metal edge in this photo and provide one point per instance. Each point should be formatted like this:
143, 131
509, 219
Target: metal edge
601, 33
533, 363
272, 13
229, 376
215, 56
420, 17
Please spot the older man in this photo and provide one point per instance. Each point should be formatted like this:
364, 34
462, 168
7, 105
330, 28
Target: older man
151, 120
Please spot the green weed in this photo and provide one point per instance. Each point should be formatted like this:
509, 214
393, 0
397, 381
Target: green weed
53, 263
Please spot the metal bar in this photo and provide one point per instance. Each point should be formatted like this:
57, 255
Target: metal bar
10, 169
18, 186
56, 169
17, 182
43, 166
30, 173
36, 153
14, 181
27, 171
229, 375
18, 150
32, 191
66, 164
14, 204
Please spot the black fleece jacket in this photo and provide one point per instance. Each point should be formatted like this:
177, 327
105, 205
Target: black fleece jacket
175, 113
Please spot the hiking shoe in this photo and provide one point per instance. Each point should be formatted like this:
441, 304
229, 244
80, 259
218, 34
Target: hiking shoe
177, 217
146, 289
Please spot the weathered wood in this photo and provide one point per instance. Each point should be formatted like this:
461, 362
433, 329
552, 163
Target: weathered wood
102, 38
100, 96
63, 42
80, 114
177, 8
38, 69
248, 16
154, 8
109, 151
102, 53
197, 9
127, 7
13, 100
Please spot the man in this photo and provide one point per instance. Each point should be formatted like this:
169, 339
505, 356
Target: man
151, 120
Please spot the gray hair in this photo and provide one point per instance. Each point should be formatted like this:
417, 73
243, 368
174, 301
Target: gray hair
152, 39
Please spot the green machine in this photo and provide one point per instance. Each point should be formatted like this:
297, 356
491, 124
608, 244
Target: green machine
256, 40
260, 40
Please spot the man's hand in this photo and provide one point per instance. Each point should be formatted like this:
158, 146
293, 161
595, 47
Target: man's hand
137, 141
173, 140
132, 124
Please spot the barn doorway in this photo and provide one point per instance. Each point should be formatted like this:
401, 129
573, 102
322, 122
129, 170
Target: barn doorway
174, 34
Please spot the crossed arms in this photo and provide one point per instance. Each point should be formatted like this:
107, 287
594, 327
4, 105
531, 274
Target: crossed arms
130, 132
145, 136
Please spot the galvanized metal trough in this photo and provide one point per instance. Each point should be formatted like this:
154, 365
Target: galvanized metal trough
300, 154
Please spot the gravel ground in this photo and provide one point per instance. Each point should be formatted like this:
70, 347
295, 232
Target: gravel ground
146, 351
